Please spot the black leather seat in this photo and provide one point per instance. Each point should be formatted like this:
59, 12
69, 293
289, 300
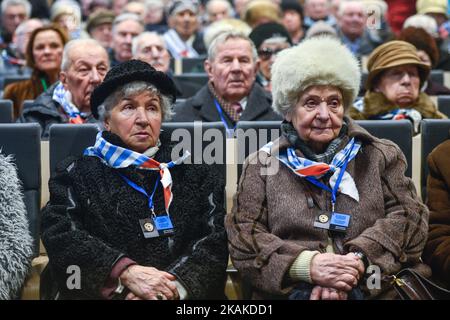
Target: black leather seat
433, 133
252, 135
190, 83
444, 104
14, 78
437, 76
69, 140
206, 141
399, 132
6, 111
193, 65
23, 142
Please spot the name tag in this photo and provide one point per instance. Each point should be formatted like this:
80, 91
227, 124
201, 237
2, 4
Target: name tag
334, 221
160, 226
339, 221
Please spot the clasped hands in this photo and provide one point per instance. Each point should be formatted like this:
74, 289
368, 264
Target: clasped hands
148, 283
334, 275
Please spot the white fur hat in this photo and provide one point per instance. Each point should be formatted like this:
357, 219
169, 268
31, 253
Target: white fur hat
320, 60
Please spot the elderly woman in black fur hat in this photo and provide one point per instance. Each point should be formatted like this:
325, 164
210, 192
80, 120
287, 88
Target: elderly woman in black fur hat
132, 222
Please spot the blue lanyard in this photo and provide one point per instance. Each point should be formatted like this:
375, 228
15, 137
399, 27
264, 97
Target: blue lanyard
219, 110
141, 190
336, 186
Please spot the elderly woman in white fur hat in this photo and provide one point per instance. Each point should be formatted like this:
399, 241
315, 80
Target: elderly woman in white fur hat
320, 204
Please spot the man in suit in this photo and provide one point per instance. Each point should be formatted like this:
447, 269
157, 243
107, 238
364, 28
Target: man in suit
231, 94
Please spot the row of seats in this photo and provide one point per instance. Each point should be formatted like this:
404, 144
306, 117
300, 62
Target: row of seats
23, 141
6, 106
196, 74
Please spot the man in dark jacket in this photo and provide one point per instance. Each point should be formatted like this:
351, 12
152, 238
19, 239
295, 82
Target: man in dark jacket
84, 65
231, 93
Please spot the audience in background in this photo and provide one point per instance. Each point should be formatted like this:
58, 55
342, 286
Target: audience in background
150, 47
84, 65
67, 14
396, 75
99, 27
320, 28
125, 27
155, 20
218, 10
269, 39
13, 13
183, 39
232, 93
44, 56
316, 10
222, 26
13, 57
428, 54
292, 19
261, 11
351, 21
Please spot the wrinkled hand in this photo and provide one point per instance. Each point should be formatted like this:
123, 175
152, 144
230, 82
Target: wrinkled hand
331, 270
147, 283
320, 293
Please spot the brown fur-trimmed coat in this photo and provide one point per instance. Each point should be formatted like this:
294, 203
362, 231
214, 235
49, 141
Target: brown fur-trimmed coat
437, 250
375, 103
271, 222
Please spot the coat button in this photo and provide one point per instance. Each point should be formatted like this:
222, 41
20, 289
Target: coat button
258, 262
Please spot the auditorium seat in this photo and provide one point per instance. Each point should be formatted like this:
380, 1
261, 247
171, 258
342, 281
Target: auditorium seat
433, 133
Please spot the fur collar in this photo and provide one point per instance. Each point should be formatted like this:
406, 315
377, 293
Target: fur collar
375, 103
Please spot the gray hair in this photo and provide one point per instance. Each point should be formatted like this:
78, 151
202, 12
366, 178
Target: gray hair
135, 41
224, 36
307, 2
66, 7
66, 61
124, 17
225, 2
9, 3
129, 90
23, 26
344, 4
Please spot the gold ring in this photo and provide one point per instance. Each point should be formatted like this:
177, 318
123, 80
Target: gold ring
159, 296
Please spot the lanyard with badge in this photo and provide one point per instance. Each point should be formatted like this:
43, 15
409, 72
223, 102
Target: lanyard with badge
155, 226
333, 221
230, 131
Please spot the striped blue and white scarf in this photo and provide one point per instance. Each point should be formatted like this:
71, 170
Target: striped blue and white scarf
118, 157
64, 97
303, 167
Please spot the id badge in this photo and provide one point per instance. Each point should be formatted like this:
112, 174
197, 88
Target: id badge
164, 226
339, 221
322, 220
148, 228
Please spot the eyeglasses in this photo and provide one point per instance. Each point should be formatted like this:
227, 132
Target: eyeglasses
266, 53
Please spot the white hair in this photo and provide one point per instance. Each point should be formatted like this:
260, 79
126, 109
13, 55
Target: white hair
422, 21
132, 89
136, 40
221, 38
225, 2
66, 61
124, 17
10, 3
345, 3
66, 7
327, 1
